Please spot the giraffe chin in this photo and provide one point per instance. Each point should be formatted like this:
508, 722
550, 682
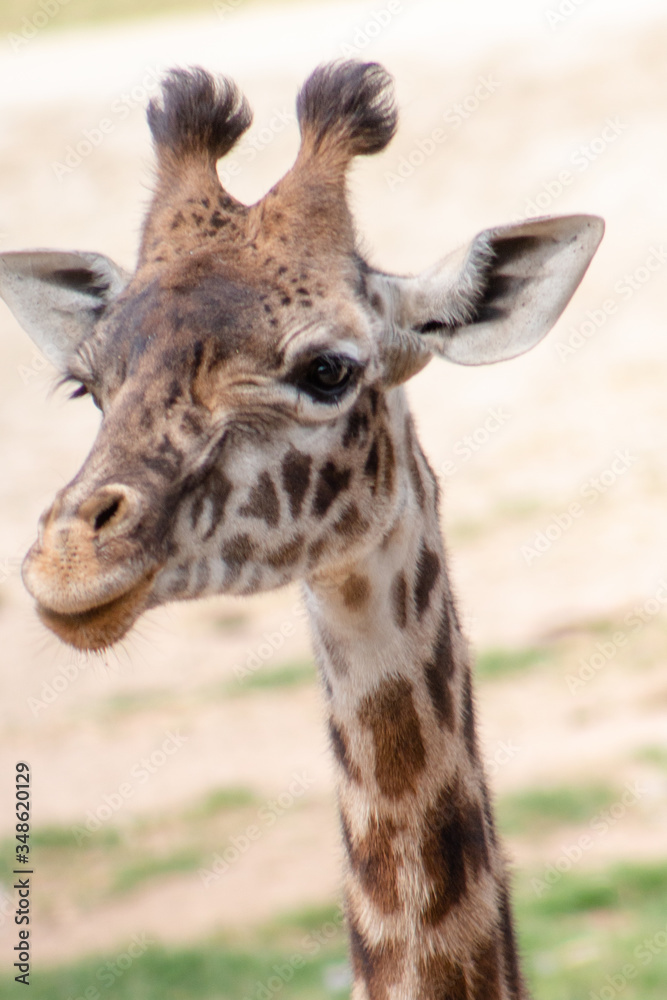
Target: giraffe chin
99, 628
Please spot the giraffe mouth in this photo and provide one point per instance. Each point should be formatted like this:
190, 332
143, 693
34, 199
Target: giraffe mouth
100, 627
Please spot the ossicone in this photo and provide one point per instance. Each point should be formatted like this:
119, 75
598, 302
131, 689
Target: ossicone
347, 109
197, 115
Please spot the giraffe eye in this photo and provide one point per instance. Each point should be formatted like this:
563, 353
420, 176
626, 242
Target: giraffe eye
80, 390
328, 376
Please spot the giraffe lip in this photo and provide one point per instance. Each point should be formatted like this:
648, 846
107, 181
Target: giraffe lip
100, 627
71, 581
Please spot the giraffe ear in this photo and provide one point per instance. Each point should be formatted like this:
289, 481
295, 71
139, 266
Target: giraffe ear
493, 299
59, 295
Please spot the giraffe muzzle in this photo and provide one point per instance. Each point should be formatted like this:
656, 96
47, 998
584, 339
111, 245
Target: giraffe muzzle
90, 579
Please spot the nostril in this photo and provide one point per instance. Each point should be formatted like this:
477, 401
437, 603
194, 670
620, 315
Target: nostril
110, 509
104, 516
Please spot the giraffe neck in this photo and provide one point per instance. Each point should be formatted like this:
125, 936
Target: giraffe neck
424, 884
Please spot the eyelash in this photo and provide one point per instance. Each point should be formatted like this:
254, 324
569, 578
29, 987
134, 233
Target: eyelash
81, 389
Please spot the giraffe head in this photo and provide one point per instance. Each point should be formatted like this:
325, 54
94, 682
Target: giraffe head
248, 373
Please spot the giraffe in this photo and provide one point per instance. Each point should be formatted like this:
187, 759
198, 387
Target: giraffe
255, 431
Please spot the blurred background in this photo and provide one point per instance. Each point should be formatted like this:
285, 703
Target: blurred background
185, 838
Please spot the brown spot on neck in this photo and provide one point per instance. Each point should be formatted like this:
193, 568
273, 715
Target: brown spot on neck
485, 975
374, 863
454, 849
428, 570
378, 967
442, 979
400, 756
356, 591
439, 671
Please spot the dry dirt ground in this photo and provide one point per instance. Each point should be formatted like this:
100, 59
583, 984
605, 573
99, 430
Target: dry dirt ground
536, 117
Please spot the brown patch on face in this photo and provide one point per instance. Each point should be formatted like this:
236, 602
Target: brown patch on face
379, 967
454, 849
217, 221
356, 591
342, 752
485, 977
330, 483
377, 303
374, 863
439, 671
391, 716
235, 553
317, 548
166, 461
442, 979
399, 600
350, 523
287, 554
356, 429
295, 477
263, 502
428, 570
388, 461
372, 465
216, 489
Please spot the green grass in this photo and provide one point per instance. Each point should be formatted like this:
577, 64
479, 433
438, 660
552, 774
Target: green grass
50, 842
116, 859
656, 755
286, 676
213, 973
222, 800
131, 702
301, 955
496, 663
537, 810
92, 12
150, 868
588, 926
86, 13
